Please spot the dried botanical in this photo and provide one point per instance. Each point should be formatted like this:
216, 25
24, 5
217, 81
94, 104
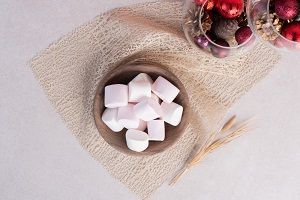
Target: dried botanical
211, 144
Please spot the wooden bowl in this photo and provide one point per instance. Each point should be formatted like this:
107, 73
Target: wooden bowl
123, 74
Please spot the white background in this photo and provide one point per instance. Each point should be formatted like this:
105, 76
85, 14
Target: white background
40, 158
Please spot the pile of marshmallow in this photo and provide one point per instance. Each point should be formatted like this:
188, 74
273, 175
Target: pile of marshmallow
137, 106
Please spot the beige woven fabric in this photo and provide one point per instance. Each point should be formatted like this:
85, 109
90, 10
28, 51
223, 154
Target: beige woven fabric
70, 70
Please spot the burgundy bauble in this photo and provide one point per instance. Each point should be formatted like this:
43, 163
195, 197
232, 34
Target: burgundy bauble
209, 5
202, 41
243, 34
292, 31
286, 9
230, 8
220, 52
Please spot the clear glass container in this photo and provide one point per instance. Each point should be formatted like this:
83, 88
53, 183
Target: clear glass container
267, 26
195, 34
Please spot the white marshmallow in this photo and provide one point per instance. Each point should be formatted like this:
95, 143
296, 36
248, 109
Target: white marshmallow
137, 140
109, 117
139, 90
142, 125
164, 89
147, 110
127, 118
156, 130
172, 113
143, 77
155, 97
115, 95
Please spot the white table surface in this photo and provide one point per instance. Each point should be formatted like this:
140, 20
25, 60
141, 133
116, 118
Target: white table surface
40, 158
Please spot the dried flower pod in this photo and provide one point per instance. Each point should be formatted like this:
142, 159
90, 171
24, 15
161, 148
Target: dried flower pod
265, 28
276, 21
192, 19
206, 22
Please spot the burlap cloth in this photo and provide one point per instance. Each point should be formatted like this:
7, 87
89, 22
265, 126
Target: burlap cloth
69, 72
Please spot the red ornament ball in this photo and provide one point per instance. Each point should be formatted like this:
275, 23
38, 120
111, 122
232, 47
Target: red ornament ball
243, 34
292, 31
230, 8
220, 52
286, 9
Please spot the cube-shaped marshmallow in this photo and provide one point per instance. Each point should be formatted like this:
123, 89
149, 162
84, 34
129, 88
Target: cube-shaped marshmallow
172, 113
137, 140
147, 110
156, 130
143, 77
109, 117
155, 97
142, 125
164, 89
127, 118
115, 95
139, 90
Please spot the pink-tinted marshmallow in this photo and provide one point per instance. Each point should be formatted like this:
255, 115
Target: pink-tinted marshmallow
142, 125
115, 95
127, 118
156, 130
164, 89
171, 113
147, 110
139, 90
143, 77
109, 117
155, 97
136, 140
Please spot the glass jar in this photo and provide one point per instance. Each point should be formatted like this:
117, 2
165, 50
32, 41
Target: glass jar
197, 22
265, 22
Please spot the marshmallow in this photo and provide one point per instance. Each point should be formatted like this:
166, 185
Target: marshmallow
147, 110
139, 90
137, 140
156, 130
109, 117
143, 77
164, 89
155, 97
172, 113
142, 125
115, 95
127, 118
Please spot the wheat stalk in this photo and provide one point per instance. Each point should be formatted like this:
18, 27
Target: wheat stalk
211, 144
